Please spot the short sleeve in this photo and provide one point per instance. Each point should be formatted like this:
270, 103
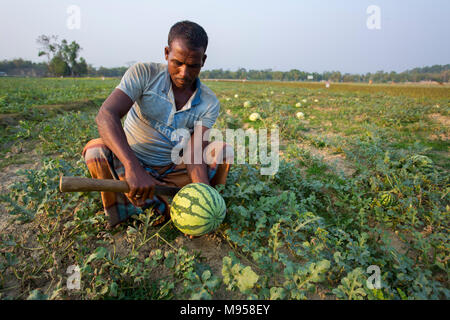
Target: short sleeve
210, 116
134, 80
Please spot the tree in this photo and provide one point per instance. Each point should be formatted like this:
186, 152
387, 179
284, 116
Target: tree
49, 46
57, 53
241, 73
69, 53
58, 66
335, 76
277, 75
294, 75
80, 68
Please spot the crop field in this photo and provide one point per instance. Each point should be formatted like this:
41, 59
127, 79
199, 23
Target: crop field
358, 209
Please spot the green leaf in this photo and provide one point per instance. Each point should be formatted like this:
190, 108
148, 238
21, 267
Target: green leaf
99, 253
131, 231
105, 290
206, 275
169, 262
11, 258
37, 295
277, 293
246, 279
351, 286
201, 295
337, 257
113, 289
156, 254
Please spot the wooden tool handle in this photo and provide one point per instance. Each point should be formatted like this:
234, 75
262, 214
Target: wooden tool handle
75, 184
70, 184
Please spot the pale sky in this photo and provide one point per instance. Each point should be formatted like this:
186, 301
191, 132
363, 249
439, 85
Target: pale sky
309, 35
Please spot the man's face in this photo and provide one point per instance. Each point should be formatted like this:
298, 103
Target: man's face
184, 63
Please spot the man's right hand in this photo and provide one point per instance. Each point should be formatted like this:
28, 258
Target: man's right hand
141, 185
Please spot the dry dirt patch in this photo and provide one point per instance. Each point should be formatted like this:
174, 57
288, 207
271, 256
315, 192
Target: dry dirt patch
443, 121
337, 160
8, 176
439, 118
327, 154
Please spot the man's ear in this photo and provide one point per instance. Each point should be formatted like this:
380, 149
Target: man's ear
204, 59
166, 53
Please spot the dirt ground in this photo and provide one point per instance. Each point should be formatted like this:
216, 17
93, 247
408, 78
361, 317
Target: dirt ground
8, 176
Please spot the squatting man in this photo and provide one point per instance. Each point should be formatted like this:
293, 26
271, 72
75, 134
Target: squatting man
167, 108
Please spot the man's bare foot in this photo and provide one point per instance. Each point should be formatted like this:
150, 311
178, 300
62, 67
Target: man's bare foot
211, 236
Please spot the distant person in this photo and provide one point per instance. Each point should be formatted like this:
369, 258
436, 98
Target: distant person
157, 99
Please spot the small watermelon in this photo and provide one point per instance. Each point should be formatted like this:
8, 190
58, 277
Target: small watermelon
387, 199
421, 161
197, 209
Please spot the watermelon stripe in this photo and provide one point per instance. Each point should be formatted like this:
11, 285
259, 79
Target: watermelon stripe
190, 211
213, 195
195, 201
205, 197
183, 210
191, 228
186, 194
219, 203
216, 201
214, 198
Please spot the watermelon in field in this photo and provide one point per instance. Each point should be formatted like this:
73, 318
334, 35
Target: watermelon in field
387, 199
421, 161
197, 209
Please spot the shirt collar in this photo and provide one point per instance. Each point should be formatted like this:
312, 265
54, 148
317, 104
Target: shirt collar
166, 87
196, 99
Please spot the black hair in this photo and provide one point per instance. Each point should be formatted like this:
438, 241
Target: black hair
193, 34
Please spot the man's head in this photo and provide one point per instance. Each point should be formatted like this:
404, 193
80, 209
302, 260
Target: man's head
185, 53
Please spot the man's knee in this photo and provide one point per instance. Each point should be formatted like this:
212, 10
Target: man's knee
94, 150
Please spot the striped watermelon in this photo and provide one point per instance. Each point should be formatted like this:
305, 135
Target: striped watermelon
387, 199
421, 161
197, 209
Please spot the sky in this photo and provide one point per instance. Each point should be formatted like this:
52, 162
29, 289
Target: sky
309, 35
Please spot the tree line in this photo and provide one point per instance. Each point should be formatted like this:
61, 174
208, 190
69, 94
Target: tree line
438, 73
26, 68
63, 59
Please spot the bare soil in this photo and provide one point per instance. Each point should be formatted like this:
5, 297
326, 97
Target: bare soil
439, 118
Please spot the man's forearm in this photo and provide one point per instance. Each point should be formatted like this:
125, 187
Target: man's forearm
111, 131
198, 172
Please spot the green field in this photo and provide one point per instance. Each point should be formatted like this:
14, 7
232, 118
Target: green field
311, 231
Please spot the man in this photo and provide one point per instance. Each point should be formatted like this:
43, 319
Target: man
158, 99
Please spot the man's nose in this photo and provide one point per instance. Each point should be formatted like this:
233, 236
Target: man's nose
183, 71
